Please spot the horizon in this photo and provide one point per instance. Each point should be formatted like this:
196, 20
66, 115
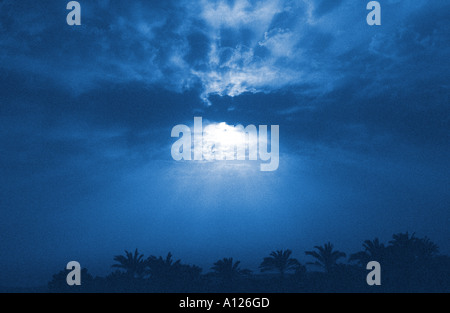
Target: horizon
208, 270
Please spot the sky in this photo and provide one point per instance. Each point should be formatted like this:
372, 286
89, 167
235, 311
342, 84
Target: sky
86, 114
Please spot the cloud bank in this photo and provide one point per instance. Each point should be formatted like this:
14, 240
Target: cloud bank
226, 47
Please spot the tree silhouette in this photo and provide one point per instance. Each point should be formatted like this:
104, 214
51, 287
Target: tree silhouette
426, 249
228, 271
373, 251
409, 263
401, 250
133, 264
325, 257
408, 248
408, 254
403, 240
162, 269
169, 274
160, 266
59, 283
280, 261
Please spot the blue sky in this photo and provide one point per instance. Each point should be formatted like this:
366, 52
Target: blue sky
86, 114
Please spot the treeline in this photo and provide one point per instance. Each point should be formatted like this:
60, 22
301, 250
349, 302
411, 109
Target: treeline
408, 264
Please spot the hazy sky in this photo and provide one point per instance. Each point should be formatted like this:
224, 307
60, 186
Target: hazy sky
86, 114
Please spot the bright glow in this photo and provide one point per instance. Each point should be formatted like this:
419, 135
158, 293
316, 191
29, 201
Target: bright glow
220, 141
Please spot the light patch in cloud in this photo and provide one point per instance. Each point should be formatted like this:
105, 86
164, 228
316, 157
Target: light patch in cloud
220, 141
242, 13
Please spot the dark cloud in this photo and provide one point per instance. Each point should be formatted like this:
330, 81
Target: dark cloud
323, 7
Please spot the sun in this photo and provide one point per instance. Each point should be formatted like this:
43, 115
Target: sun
220, 141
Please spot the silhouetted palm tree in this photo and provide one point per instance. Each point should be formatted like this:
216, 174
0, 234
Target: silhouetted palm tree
403, 240
373, 251
171, 275
133, 264
189, 272
280, 261
228, 271
325, 257
426, 248
162, 268
410, 249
